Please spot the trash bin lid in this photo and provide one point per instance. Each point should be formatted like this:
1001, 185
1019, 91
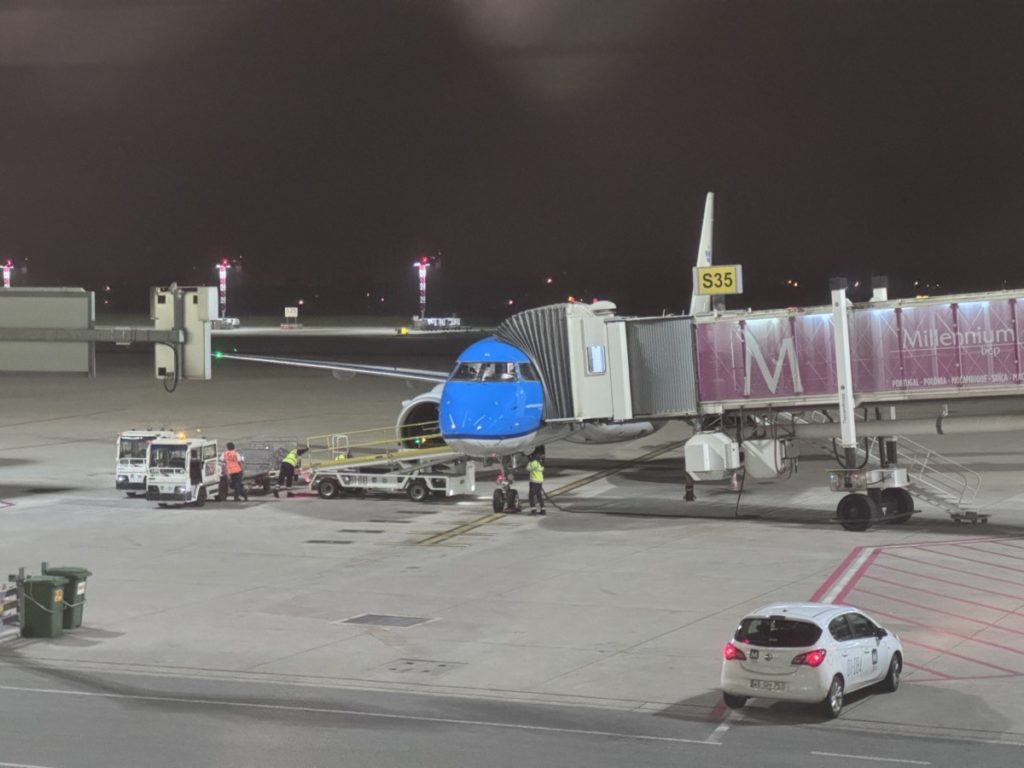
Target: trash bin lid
53, 581
71, 571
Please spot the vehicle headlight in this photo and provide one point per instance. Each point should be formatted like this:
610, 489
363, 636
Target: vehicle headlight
122, 478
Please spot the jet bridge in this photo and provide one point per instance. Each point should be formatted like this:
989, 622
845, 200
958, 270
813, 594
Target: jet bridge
598, 367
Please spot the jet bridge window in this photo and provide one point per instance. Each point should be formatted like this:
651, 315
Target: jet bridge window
596, 363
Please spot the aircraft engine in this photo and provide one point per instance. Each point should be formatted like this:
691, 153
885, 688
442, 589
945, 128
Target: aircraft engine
614, 433
418, 425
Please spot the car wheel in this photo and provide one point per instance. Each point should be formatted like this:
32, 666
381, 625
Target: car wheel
856, 512
734, 702
833, 703
418, 490
898, 504
222, 489
328, 488
892, 679
498, 500
201, 497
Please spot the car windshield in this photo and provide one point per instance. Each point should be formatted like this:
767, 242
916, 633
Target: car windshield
778, 632
168, 456
133, 447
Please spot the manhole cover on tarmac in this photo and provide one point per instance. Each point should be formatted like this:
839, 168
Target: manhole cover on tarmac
421, 667
384, 620
328, 541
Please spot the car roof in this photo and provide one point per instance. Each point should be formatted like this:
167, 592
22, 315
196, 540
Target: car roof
816, 612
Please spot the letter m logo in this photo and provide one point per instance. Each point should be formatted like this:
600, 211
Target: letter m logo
787, 351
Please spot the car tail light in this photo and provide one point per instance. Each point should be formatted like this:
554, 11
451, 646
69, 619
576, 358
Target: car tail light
811, 658
731, 652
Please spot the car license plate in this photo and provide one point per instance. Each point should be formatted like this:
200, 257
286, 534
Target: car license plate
768, 685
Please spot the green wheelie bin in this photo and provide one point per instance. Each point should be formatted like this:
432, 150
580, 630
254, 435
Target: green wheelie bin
74, 593
44, 606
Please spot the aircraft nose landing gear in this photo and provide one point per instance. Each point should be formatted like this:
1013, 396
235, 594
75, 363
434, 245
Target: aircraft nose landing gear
506, 498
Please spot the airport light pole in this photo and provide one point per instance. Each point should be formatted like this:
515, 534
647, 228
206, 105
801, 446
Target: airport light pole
222, 274
421, 264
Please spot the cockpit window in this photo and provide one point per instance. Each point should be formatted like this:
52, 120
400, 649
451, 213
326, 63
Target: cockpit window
466, 372
484, 372
527, 372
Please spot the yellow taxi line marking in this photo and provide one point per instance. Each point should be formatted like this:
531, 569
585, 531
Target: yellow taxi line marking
613, 470
438, 538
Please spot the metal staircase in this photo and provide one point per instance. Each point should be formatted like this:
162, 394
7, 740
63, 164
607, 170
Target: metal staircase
935, 478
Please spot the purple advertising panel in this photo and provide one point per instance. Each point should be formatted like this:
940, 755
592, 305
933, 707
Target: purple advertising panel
963, 346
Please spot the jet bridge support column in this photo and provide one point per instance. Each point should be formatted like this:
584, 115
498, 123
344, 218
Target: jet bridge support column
844, 371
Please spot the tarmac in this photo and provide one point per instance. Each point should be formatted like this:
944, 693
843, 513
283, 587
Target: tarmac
620, 598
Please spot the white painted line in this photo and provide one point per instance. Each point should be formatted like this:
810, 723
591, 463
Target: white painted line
354, 713
723, 727
868, 757
830, 596
22, 765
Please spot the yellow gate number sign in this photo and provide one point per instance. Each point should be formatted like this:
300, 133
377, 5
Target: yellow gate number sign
725, 278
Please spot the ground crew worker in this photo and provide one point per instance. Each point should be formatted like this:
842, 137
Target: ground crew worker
286, 474
234, 465
536, 469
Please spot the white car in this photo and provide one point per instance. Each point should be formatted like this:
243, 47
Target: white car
810, 652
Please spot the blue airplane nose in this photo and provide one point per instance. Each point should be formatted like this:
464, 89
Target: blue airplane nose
489, 411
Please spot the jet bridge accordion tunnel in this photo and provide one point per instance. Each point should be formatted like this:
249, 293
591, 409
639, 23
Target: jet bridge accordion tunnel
597, 367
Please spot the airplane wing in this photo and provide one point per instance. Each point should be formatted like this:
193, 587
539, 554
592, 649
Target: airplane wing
412, 374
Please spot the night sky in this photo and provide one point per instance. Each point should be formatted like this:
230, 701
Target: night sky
328, 144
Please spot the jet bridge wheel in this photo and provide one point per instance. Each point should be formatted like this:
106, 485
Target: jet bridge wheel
897, 504
856, 512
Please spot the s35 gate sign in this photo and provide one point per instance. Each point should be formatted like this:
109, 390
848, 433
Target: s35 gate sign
956, 346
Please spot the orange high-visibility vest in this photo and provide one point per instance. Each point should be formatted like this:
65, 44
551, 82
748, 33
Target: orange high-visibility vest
231, 462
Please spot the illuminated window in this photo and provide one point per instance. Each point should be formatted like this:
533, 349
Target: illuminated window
595, 359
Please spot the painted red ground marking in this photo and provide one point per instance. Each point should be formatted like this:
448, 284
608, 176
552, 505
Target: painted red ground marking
930, 671
836, 574
951, 542
948, 581
950, 633
1008, 543
976, 548
856, 577
944, 613
717, 711
919, 644
955, 570
1006, 611
974, 560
